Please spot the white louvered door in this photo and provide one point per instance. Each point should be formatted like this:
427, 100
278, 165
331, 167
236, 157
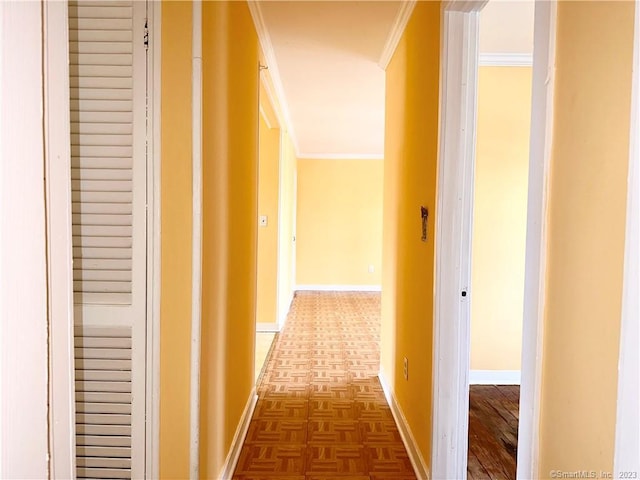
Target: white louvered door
107, 64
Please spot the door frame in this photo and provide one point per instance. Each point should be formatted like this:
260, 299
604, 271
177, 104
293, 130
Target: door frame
57, 163
154, 250
458, 97
56, 106
627, 442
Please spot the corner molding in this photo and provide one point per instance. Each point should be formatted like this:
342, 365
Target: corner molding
340, 156
338, 288
494, 377
417, 461
506, 59
397, 29
238, 439
273, 73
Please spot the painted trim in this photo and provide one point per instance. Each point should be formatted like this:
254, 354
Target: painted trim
338, 288
542, 111
340, 156
196, 292
494, 377
233, 456
57, 153
506, 59
397, 29
458, 98
265, 117
627, 440
154, 244
273, 70
420, 467
271, 100
267, 327
24, 379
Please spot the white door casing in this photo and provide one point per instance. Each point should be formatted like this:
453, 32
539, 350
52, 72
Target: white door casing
57, 152
543, 84
456, 159
453, 242
627, 443
108, 170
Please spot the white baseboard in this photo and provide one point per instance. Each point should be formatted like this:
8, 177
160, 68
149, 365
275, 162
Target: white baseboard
417, 461
238, 439
494, 377
339, 288
267, 327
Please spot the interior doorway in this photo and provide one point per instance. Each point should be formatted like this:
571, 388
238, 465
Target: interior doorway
452, 336
499, 239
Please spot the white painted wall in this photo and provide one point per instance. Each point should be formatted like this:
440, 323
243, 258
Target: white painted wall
23, 289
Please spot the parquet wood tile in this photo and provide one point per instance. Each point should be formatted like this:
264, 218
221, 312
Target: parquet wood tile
258, 459
322, 413
337, 459
392, 459
334, 431
332, 409
277, 431
290, 408
379, 432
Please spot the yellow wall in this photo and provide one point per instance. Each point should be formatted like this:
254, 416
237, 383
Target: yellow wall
411, 142
268, 184
175, 302
500, 217
339, 222
230, 176
587, 206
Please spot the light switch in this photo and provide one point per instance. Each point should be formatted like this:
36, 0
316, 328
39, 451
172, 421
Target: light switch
262, 220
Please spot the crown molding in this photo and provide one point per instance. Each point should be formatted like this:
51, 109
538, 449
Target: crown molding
506, 59
274, 87
340, 156
399, 24
464, 6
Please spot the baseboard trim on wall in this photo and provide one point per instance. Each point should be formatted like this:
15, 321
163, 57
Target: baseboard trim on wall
417, 461
267, 327
238, 439
339, 288
494, 377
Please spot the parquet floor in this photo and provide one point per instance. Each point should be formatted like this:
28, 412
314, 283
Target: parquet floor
493, 432
321, 412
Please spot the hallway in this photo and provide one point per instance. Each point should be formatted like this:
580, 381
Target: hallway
321, 411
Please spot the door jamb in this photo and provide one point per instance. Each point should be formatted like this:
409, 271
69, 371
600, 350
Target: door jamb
57, 163
154, 84
627, 442
456, 158
541, 138
459, 62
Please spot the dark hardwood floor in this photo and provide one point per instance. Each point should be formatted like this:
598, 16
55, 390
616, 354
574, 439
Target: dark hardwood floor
493, 431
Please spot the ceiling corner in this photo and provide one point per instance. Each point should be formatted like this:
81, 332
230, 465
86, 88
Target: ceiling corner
399, 24
272, 81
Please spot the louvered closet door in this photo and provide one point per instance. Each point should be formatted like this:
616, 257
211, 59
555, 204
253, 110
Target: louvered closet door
108, 168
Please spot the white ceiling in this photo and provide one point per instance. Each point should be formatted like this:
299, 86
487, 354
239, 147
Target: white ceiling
323, 60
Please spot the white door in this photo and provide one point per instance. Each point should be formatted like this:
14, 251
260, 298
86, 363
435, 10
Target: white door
107, 65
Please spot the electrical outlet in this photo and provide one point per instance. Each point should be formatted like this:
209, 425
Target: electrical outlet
405, 369
371, 269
